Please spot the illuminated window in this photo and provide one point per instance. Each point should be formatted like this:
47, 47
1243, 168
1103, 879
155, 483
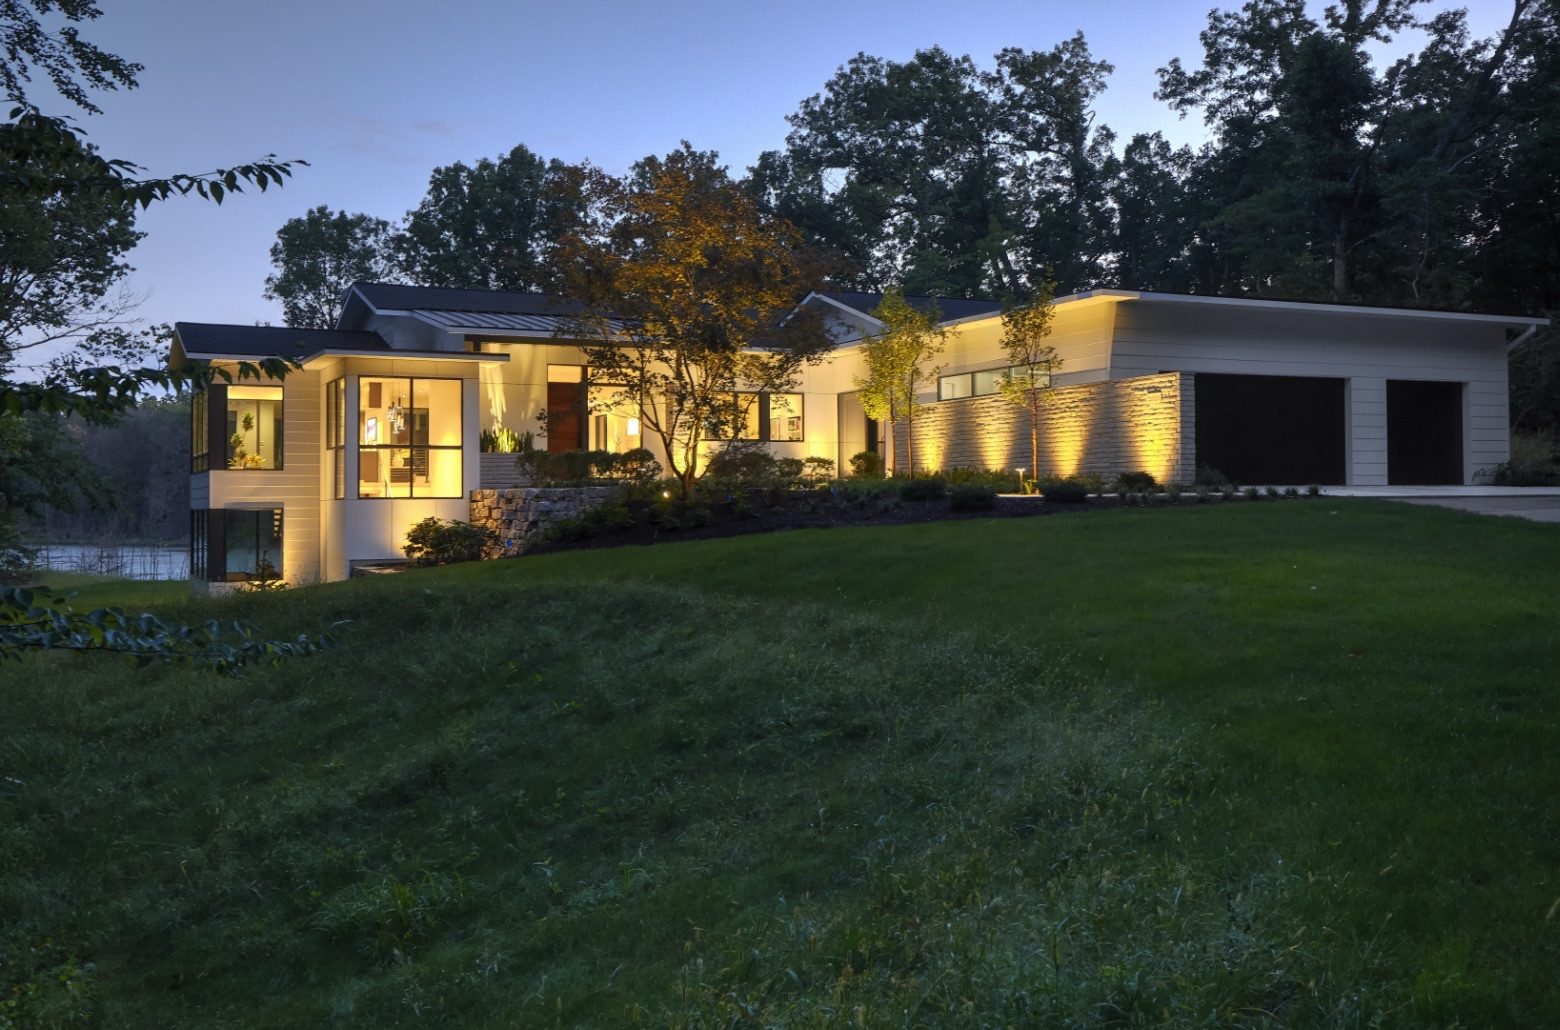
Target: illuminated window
785, 417
984, 383
254, 427
409, 437
775, 417
336, 435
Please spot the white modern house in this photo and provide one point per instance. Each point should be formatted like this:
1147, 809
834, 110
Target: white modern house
331, 466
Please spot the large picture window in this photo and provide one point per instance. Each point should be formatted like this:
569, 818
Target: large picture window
254, 427
409, 437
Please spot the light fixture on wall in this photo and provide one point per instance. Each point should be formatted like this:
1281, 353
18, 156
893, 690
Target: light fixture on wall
633, 427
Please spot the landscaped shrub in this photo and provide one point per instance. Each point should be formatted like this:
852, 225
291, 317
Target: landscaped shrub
972, 497
788, 468
1138, 481
931, 489
866, 465
575, 468
741, 462
1000, 480
1064, 491
503, 440
434, 541
1535, 461
818, 470
1209, 476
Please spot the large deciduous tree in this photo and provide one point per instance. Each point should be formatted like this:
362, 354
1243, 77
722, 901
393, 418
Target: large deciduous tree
319, 255
686, 286
492, 225
899, 360
50, 168
951, 180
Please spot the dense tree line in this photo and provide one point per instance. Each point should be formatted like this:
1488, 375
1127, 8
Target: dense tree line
1425, 182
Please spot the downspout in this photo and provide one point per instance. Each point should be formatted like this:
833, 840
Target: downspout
1520, 340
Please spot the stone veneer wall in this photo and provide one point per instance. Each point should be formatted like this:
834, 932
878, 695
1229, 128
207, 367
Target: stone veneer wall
520, 514
1146, 423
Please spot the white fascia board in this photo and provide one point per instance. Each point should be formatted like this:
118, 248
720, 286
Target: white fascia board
1299, 307
412, 355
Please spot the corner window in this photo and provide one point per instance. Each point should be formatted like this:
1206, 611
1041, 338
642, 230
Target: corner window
254, 427
200, 437
236, 544
409, 437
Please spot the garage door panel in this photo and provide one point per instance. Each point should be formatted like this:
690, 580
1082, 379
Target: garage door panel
1272, 429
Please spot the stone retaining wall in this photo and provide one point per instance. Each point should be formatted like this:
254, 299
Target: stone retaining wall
1121, 425
521, 514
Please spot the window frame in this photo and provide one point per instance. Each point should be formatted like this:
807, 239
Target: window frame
336, 433
208, 543
281, 454
969, 378
411, 386
762, 401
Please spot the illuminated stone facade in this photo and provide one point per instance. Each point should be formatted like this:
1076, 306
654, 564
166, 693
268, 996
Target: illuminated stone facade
1122, 425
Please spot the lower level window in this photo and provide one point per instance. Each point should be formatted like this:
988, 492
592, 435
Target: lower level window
236, 544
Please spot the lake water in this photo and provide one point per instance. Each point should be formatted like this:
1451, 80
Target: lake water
128, 561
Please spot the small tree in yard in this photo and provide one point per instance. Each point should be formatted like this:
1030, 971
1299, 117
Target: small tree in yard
1032, 362
898, 365
687, 287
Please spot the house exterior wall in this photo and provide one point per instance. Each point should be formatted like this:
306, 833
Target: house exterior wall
294, 487
1120, 425
1363, 349
1081, 334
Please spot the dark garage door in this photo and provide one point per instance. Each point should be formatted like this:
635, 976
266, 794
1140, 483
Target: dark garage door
1271, 429
1424, 433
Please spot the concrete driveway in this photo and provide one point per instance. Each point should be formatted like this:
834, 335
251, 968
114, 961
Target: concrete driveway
1536, 503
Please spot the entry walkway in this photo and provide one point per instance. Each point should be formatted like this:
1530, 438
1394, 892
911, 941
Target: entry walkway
1537, 503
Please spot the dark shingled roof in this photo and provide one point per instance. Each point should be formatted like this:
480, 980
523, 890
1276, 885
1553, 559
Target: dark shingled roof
952, 308
202, 339
396, 297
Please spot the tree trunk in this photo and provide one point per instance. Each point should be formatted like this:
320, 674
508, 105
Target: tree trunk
1034, 438
1341, 272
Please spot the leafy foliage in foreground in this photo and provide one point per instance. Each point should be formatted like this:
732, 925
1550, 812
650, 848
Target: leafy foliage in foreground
40, 620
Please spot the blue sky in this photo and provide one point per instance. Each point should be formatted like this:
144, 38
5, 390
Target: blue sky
375, 95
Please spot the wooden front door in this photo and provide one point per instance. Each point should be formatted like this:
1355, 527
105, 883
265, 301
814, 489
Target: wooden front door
565, 416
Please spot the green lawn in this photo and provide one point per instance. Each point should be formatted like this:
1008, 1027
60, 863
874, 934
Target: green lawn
1260, 763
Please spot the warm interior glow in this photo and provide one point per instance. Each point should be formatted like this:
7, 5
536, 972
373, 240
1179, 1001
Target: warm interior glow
409, 437
254, 427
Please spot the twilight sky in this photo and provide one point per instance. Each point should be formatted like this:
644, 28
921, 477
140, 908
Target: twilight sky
375, 95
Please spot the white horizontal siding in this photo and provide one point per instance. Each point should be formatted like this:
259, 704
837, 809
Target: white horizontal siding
1366, 351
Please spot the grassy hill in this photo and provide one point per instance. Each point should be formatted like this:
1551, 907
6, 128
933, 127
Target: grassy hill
1271, 763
